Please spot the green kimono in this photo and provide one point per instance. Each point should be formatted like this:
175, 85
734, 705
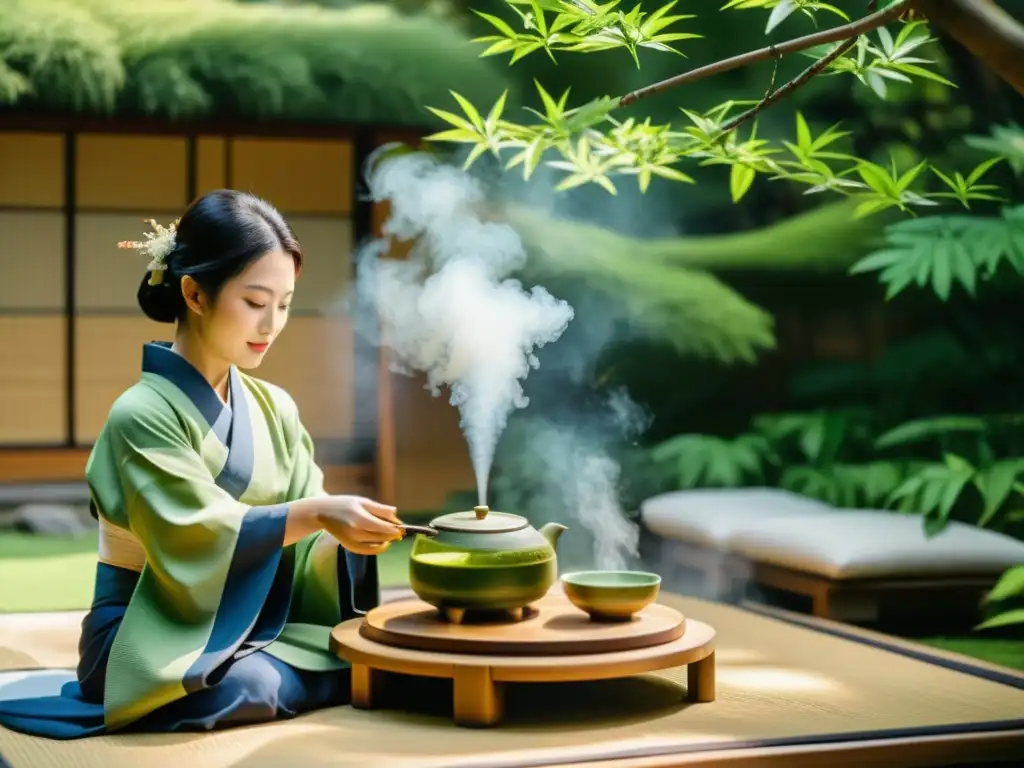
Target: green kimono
193, 579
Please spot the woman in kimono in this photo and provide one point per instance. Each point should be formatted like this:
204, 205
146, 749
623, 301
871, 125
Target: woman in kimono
223, 563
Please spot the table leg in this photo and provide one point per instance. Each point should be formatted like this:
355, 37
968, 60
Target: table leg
367, 686
700, 680
478, 698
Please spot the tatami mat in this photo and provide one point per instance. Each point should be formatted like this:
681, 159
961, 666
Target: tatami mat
777, 682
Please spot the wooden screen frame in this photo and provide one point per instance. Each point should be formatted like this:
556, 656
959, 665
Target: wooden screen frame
66, 462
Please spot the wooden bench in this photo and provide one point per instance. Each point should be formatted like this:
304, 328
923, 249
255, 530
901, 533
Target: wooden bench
848, 563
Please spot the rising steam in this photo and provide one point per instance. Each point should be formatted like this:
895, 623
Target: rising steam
563, 466
450, 309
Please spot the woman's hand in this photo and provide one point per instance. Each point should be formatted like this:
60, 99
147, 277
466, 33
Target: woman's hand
362, 526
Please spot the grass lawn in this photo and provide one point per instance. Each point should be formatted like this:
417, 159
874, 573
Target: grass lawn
54, 573
1008, 653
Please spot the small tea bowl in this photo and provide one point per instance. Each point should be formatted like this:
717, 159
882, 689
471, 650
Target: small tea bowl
611, 595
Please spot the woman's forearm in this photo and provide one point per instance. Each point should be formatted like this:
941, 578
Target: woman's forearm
304, 518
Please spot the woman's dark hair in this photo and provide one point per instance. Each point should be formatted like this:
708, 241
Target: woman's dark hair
219, 235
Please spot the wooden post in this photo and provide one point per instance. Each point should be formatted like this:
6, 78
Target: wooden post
821, 602
479, 700
700, 680
368, 686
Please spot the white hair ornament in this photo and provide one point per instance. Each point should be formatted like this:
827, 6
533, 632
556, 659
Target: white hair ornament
157, 246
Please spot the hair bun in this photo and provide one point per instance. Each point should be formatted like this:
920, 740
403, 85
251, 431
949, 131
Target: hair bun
162, 302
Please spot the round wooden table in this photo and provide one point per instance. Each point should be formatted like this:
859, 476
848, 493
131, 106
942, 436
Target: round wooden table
478, 675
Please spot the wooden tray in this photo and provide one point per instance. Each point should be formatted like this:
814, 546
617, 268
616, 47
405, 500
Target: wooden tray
478, 680
551, 627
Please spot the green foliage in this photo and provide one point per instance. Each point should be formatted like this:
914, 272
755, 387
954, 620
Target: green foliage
821, 448
783, 9
935, 489
927, 372
981, 455
890, 60
709, 461
56, 54
592, 146
839, 456
922, 430
891, 187
796, 451
818, 435
801, 452
1010, 585
1004, 140
1007, 596
943, 252
689, 308
366, 64
694, 311
969, 446
666, 286
966, 189
582, 26
868, 484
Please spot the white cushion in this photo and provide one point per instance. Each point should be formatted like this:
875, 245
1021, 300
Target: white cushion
857, 544
710, 517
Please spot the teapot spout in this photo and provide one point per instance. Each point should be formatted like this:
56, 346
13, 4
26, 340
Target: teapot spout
551, 532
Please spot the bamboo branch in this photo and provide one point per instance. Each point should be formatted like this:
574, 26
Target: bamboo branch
985, 30
835, 35
791, 86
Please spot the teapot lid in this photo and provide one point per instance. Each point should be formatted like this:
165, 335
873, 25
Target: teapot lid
479, 520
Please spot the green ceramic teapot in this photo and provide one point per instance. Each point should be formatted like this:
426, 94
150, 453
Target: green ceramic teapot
481, 560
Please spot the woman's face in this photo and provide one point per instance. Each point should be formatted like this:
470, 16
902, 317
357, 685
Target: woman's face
250, 311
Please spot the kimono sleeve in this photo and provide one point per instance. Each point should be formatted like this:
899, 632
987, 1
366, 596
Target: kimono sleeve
331, 584
210, 563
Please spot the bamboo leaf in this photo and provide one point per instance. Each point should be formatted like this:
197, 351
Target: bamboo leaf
1006, 619
913, 69
779, 14
457, 135
981, 170
803, 134
740, 179
470, 110
1010, 585
995, 485
928, 429
497, 23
